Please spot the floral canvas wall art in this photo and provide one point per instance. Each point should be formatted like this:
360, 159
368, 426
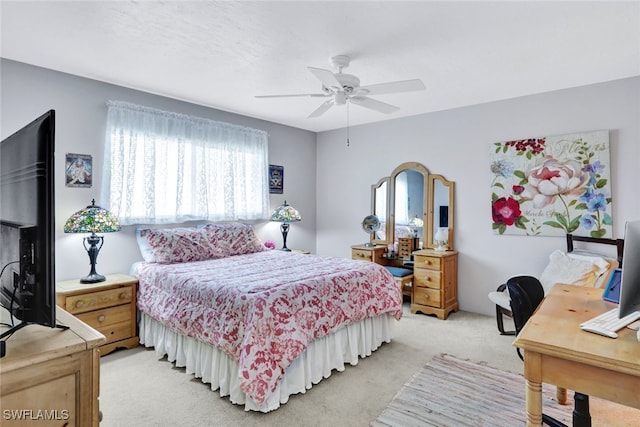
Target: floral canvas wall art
552, 186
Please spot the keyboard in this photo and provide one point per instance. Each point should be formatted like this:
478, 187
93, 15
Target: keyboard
608, 323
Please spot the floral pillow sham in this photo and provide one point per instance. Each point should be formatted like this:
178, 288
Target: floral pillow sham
189, 244
233, 238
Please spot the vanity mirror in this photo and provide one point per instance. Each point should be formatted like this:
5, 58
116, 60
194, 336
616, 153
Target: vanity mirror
441, 209
412, 202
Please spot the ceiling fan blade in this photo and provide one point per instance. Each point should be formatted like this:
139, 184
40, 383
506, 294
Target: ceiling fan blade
392, 87
321, 109
312, 95
327, 78
372, 104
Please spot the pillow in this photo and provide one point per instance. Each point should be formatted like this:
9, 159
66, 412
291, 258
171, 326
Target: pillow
571, 270
233, 238
170, 245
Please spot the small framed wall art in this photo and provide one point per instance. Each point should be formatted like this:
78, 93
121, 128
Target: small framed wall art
78, 170
276, 179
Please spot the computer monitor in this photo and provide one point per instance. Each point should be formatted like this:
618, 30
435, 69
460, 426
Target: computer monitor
630, 281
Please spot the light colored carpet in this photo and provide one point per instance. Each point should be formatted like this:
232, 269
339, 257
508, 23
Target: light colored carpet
137, 389
452, 392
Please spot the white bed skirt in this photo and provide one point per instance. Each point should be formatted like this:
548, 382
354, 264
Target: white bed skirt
320, 358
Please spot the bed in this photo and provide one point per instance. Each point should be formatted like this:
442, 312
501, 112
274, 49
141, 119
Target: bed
258, 325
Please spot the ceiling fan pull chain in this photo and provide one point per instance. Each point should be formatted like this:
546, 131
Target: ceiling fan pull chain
348, 123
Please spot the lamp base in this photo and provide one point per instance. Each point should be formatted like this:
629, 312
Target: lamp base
93, 278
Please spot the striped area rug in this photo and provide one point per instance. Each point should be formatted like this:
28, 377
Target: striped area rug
453, 392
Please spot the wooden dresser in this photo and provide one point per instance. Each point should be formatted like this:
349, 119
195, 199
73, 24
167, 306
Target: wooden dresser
51, 376
435, 283
108, 306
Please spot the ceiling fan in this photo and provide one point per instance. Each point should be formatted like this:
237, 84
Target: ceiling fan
341, 88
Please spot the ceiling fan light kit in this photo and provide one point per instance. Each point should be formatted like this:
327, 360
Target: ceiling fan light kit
342, 88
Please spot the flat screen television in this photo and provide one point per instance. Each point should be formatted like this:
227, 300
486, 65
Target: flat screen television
27, 224
630, 279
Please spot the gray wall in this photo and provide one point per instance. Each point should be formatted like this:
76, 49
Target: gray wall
330, 183
27, 92
456, 144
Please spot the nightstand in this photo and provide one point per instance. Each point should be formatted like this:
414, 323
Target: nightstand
109, 307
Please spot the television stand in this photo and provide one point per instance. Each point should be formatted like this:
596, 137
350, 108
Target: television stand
12, 330
56, 372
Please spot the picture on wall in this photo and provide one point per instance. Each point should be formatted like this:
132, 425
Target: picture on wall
551, 186
78, 170
276, 179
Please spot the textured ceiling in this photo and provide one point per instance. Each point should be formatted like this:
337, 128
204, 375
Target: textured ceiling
222, 53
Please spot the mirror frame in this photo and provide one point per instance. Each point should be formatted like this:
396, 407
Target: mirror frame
450, 185
374, 196
392, 199
428, 231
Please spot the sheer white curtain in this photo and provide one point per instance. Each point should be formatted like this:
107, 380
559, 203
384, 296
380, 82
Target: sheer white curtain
163, 167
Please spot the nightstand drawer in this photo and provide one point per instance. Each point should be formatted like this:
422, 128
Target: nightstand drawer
116, 332
427, 278
101, 318
432, 263
426, 296
96, 300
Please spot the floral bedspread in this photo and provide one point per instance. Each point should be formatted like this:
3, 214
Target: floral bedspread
263, 309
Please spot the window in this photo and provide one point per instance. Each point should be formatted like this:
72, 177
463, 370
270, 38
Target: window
163, 167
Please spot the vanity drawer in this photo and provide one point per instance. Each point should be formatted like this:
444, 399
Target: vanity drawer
97, 300
362, 255
426, 296
427, 278
422, 261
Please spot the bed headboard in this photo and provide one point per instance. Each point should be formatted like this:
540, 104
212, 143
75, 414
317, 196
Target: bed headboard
618, 243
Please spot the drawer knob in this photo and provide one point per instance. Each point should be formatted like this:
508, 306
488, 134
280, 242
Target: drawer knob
101, 318
79, 304
122, 295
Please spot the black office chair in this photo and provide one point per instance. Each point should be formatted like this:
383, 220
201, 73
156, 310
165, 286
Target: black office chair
526, 293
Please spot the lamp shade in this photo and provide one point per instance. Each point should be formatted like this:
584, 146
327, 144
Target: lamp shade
286, 213
92, 219
441, 237
416, 222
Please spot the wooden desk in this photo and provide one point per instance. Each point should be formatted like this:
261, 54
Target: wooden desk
51, 376
557, 352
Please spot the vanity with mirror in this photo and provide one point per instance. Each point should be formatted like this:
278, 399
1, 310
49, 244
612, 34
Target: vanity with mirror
415, 212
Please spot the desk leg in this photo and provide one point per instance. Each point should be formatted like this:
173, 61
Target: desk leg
533, 392
534, 403
561, 395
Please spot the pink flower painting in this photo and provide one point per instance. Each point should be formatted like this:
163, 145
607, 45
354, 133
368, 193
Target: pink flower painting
552, 185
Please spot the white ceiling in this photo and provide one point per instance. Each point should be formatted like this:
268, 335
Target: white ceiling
222, 53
